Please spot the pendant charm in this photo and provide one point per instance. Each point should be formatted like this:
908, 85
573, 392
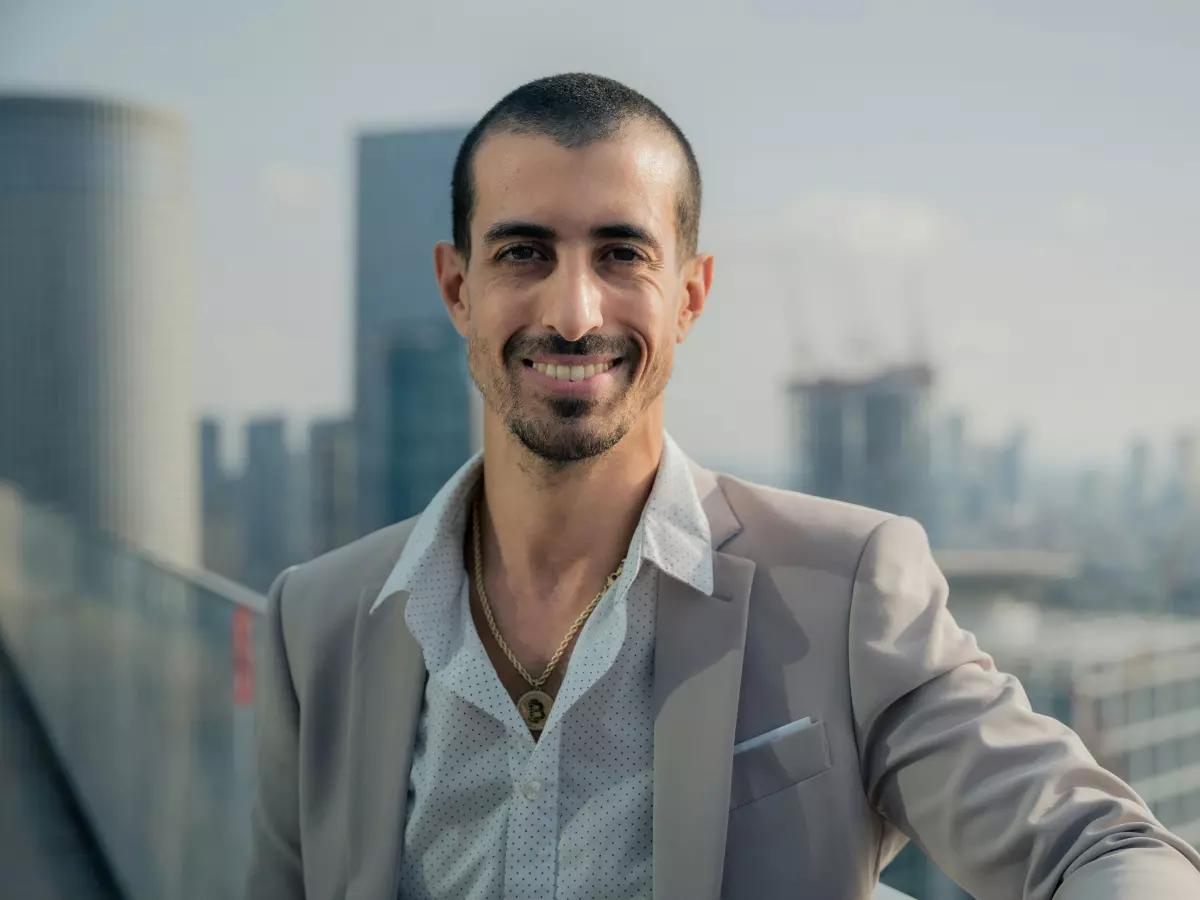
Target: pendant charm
534, 707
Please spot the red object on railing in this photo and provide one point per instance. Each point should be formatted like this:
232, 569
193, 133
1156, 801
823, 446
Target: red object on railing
243, 657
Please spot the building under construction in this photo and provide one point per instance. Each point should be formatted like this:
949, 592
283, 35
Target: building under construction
867, 440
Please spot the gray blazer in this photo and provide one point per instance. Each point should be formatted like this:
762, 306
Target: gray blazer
822, 611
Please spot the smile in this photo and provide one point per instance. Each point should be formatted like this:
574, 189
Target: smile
573, 373
564, 377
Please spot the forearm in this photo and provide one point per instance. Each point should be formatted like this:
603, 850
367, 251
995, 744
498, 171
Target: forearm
1142, 867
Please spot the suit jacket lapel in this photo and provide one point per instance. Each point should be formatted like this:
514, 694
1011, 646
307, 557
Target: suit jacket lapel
387, 689
699, 641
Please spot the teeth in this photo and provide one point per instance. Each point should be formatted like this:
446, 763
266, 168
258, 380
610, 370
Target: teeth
573, 373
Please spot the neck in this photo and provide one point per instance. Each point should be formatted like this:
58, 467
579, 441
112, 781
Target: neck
552, 535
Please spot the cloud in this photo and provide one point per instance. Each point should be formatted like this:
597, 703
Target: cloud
288, 183
1081, 217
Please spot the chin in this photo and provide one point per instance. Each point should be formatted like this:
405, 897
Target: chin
564, 441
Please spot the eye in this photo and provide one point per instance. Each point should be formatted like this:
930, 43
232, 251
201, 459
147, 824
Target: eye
626, 255
520, 253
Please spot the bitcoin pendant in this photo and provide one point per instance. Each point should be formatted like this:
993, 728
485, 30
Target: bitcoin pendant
534, 707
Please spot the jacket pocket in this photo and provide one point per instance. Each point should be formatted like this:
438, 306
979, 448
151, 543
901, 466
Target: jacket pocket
785, 761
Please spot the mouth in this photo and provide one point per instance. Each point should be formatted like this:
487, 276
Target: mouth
585, 377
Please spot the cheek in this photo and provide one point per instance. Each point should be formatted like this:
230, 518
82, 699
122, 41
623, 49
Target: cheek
498, 317
486, 333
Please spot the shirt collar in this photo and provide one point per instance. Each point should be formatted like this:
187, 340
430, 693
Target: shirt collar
675, 534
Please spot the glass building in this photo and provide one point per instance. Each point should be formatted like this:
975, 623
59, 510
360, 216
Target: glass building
403, 209
428, 416
332, 476
265, 486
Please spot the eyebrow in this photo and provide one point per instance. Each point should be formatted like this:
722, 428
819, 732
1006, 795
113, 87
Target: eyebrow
627, 231
502, 231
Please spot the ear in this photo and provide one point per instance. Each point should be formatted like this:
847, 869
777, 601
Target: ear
450, 268
697, 281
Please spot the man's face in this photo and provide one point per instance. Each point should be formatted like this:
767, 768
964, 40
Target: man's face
574, 296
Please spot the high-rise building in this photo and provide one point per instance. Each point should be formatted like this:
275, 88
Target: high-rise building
298, 507
334, 497
1183, 491
403, 209
1091, 492
1137, 476
951, 483
867, 441
265, 481
221, 508
212, 468
96, 412
1011, 469
954, 450
428, 416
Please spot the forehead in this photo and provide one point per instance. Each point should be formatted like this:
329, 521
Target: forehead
635, 177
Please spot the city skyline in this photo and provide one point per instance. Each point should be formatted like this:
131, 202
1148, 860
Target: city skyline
873, 178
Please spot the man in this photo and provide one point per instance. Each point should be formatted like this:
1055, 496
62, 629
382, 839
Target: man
594, 669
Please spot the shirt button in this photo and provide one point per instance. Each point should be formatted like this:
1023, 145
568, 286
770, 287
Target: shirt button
531, 789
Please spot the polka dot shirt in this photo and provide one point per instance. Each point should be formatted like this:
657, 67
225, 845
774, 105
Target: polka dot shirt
492, 814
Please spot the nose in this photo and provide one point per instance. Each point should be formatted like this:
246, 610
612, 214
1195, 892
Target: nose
572, 301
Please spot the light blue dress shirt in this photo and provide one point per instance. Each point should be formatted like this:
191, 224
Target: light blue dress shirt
492, 814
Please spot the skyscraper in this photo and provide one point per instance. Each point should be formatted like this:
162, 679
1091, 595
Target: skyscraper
1010, 469
867, 441
403, 210
212, 470
265, 502
298, 507
221, 509
1183, 492
332, 464
1137, 476
428, 415
96, 412
950, 470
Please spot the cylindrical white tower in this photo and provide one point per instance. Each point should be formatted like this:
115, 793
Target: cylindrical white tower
96, 409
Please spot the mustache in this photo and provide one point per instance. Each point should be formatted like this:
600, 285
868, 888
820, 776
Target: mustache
521, 346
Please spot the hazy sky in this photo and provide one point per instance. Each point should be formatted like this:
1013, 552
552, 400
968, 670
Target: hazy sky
1012, 187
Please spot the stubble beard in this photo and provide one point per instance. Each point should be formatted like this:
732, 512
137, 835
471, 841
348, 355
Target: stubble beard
559, 431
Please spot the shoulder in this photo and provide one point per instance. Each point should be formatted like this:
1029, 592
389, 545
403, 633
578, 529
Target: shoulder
319, 601
787, 528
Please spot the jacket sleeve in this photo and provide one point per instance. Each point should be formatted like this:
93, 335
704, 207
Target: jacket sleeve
275, 871
1007, 802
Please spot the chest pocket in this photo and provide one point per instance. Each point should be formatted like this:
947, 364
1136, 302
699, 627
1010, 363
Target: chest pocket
779, 764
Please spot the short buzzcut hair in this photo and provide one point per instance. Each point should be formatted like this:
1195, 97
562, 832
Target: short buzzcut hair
574, 109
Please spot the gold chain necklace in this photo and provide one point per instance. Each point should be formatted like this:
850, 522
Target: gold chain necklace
534, 705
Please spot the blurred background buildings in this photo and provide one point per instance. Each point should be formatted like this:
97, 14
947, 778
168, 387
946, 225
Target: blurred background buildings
96, 406
1079, 571
401, 330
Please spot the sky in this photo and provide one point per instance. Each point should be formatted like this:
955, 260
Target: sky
1011, 189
